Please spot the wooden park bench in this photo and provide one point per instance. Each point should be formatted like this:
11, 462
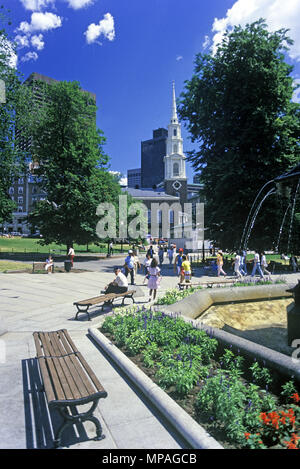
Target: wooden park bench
84, 305
40, 266
208, 283
68, 380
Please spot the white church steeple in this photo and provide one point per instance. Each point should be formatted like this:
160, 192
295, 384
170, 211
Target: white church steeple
175, 158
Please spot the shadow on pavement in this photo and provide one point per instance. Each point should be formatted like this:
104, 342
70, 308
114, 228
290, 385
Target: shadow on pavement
40, 423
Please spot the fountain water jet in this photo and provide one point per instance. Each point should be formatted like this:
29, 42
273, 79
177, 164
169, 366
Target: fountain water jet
281, 227
277, 183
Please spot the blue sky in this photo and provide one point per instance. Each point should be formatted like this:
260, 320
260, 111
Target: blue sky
129, 52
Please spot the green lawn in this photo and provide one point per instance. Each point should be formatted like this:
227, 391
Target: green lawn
6, 265
32, 245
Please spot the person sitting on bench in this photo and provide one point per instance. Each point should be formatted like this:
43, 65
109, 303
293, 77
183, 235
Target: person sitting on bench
119, 285
49, 265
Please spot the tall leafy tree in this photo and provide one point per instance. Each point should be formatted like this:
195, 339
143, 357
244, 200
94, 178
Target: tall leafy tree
13, 109
238, 108
72, 166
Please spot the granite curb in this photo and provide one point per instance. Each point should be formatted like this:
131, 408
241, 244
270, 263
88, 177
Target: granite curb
191, 431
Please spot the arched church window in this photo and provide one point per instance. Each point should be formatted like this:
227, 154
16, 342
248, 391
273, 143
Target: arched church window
175, 169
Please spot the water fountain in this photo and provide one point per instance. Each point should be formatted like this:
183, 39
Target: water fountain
282, 185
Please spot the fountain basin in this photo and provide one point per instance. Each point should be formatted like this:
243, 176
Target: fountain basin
196, 304
258, 314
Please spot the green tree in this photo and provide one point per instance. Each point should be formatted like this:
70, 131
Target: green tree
238, 108
13, 110
72, 166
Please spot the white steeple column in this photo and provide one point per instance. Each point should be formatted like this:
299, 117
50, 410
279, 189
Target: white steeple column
175, 158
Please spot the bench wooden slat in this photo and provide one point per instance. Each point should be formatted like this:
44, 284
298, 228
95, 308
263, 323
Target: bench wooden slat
69, 371
51, 380
92, 375
78, 385
96, 299
68, 380
60, 383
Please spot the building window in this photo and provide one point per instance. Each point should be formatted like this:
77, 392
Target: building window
175, 149
11, 190
20, 200
175, 169
159, 217
21, 181
20, 209
20, 190
171, 215
175, 132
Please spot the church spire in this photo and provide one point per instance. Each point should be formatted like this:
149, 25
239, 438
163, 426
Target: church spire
174, 119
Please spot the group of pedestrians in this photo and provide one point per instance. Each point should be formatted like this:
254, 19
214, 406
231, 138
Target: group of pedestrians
130, 267
260, 264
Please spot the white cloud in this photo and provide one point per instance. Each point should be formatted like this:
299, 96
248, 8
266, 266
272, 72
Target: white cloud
277, 13
36, 5
77, 4
22, 41
179, 57
105, 27
40, 22
206, 42
29, 56
37, 41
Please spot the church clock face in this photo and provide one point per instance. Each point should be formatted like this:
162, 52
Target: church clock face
176, 185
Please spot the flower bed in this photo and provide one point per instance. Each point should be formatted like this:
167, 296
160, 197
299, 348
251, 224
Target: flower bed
173, 295
233, 401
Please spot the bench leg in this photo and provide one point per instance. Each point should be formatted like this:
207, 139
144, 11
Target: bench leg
71, 419
84, 310
128, 296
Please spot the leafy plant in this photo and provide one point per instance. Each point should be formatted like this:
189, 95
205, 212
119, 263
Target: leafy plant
136, 341
288, 389
260, 375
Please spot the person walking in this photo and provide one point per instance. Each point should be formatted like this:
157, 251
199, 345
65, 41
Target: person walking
146, 265
154, 279
129, 266
256, 265
151, 251
171, 254
71, 254
243, 266
220, 263
161, 254
294, 263
137, 264
186, 268
236, 264
264, 264
178, 262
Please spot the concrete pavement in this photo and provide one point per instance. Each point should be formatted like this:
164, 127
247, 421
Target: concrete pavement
45, 302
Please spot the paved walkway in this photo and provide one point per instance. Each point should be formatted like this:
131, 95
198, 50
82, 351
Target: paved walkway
45, 302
